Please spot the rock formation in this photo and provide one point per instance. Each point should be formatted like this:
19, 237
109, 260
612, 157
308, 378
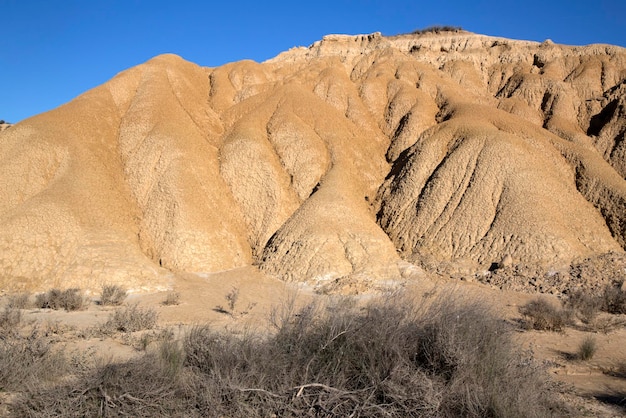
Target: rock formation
333, 163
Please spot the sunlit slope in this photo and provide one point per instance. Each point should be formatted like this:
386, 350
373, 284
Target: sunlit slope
327, 163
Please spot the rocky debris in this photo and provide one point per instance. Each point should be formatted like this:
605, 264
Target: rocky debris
591, 275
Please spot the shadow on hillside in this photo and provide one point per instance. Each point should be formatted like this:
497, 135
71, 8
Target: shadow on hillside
617, 399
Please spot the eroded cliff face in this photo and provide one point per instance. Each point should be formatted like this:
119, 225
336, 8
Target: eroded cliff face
328, 165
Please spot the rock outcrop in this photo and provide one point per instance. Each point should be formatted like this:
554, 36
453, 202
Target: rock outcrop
336, 162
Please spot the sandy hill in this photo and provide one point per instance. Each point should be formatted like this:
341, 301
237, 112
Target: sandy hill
336, 164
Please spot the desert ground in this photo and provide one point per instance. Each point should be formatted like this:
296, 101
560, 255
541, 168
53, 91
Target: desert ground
594, 387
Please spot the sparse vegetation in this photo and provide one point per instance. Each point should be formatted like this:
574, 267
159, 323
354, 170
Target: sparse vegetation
70, 300
611, 300
19, 300
27, 359
587, 348
10, 319
614, 299
131, 318
147, 386
232, 297
539, 314
586, 306
172, 298
112, 295
437, 29
393, 358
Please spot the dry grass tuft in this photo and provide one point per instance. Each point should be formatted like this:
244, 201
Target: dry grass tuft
112, 295
171, 298
131, 318
587, 348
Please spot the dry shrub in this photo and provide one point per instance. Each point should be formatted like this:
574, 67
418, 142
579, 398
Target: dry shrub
614, 299
70, 300
586, 306
392, 358
131, 318
28, 360
437, 29
19, 301
172, 298
149, 386
450, 359
539, 314
587, 348
112, 295
10, 320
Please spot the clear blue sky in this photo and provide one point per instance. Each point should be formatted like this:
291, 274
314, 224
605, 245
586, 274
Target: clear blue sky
51, 51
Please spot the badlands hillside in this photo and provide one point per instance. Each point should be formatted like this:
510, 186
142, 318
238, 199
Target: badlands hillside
358, 159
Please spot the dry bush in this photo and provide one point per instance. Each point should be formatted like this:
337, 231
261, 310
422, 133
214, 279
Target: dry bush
10, 320
131, 318
539, 314
149, 386
70, 300
394, 358
450, 359
437, 29
614, 299
232, 298
112, 295
19, 301
587, 348
172, 298
586, 306
26, 361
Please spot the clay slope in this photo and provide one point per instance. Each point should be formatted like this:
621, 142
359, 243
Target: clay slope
325, 165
